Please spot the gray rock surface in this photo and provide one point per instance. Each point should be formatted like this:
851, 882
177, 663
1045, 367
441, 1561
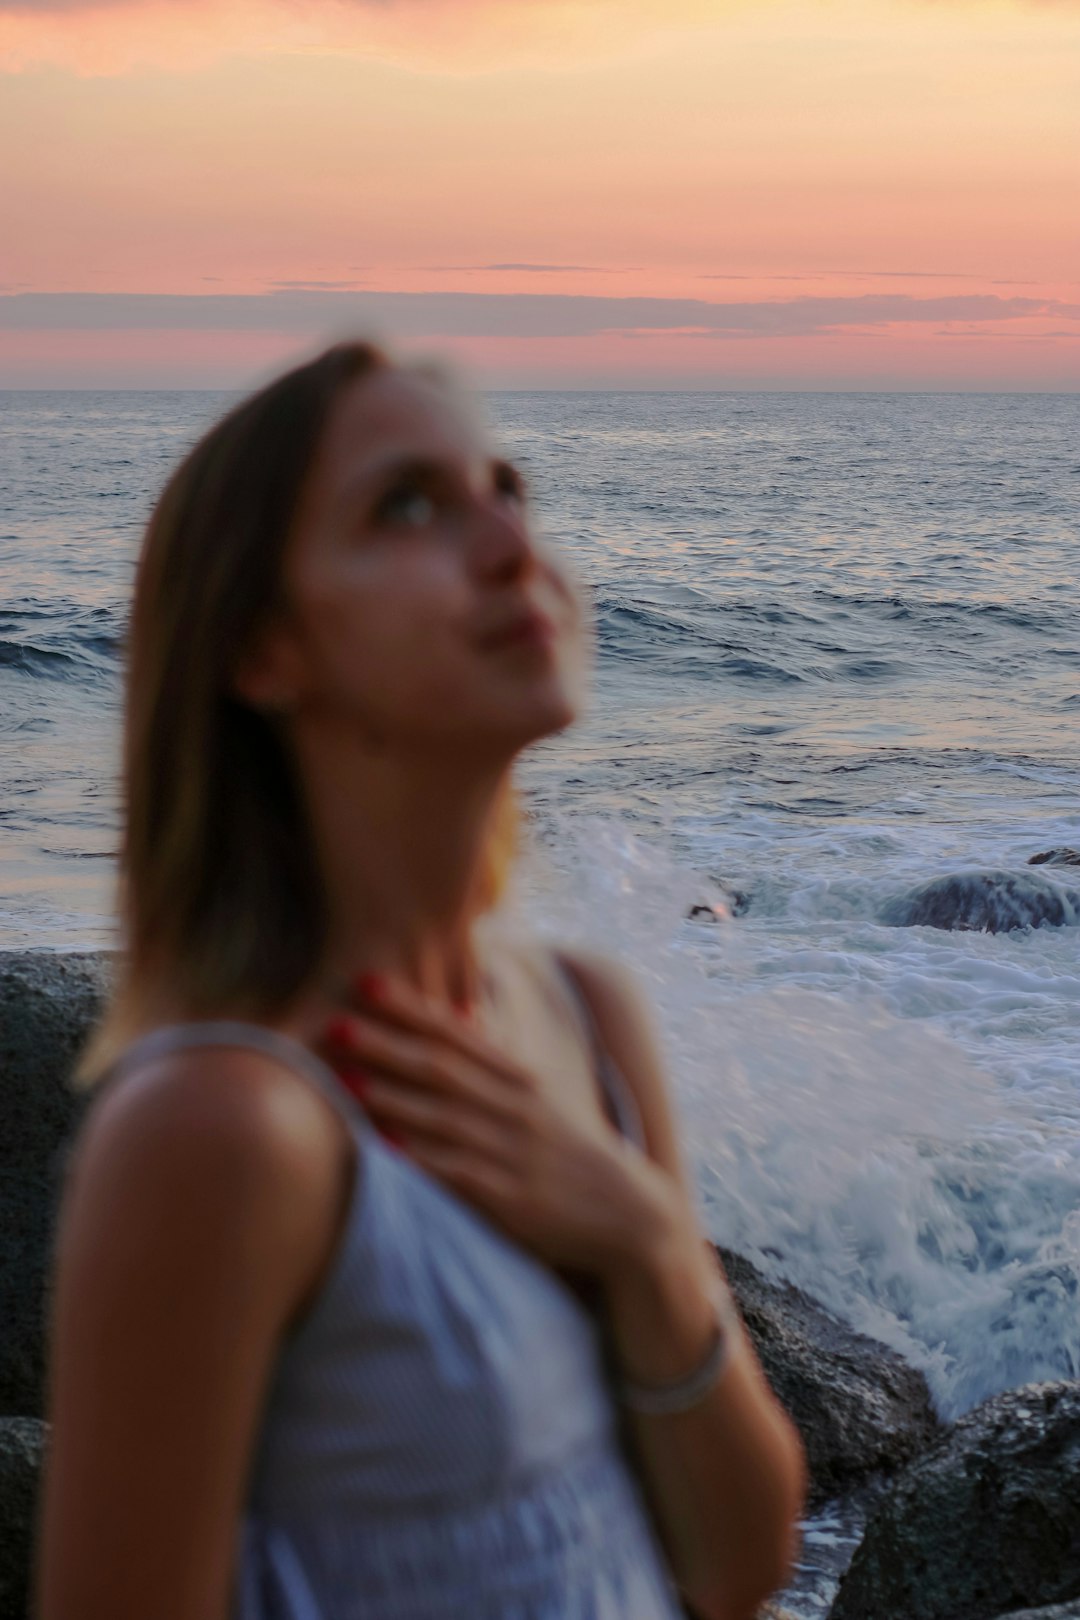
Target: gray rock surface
47, 1005
986, 1523
987, 902
1056, 857
860, 1409
1056, 1611
22, 1445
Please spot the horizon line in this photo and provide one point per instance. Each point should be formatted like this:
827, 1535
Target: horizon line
166, 388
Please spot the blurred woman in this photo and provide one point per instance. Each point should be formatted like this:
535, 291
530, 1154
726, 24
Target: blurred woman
380, 1293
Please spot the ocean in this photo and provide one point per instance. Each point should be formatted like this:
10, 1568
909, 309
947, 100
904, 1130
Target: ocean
838, 656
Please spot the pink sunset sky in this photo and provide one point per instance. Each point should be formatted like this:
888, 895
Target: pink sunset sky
565, 193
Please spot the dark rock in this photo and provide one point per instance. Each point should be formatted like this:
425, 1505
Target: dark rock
988, 1521
736, 900
48, 1003
728, 902
860, 1409
1056, 857
990, 902
22, 1447
1056, 1611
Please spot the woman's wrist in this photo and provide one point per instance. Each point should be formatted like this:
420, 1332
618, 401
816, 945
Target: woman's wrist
674, 1396
661, 1295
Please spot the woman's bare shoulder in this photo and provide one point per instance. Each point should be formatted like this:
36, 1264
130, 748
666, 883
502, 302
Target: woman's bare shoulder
212, 1140
201, 1205
215, 1106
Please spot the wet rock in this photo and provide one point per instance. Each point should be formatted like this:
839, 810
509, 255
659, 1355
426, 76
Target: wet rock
22, 1446
989, 902
726, 902
1056, 1611
47, 1005
987, 1522
861, 1410
1056, 857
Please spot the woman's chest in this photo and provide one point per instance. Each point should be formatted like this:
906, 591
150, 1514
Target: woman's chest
442, 1360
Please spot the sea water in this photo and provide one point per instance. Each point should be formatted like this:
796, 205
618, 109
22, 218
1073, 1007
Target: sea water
838, 655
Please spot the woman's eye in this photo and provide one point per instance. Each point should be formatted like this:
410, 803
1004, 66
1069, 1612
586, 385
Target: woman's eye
410, 507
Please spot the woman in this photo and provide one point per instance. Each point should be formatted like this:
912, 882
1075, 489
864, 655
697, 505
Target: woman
379, 1289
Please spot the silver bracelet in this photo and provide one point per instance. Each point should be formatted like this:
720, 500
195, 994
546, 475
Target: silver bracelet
682, 1394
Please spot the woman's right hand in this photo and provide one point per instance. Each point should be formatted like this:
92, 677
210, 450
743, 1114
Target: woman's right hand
558, 1179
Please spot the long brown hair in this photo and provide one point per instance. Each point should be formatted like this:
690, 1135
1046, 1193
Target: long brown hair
222, 906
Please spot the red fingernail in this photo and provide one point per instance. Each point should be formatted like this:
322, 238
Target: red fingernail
371, 985
353, 1079
395, 1138
339, 1031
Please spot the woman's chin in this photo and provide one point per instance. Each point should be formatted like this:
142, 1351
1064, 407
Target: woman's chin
545, 715
558, 716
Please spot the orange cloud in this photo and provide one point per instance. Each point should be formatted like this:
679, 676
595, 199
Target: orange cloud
122, 36
737, 150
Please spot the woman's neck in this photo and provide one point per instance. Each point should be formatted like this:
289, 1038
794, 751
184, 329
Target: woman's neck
401, 849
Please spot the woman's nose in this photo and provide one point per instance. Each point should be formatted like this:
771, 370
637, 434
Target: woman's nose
502, 545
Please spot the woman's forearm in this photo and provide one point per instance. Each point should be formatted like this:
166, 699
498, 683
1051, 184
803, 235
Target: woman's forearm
726, 1478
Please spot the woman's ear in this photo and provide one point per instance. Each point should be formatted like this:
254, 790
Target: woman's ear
267, 675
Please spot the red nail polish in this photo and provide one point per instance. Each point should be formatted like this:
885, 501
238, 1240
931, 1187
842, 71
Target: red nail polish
353, 1079
370, 985
339, 1032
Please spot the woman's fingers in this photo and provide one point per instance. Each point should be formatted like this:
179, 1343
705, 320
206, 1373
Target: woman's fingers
393, 1003
422, 1061
474, 1178
418, 1117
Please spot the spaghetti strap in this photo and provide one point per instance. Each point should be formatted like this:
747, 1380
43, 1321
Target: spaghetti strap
272, 1043
622, 1105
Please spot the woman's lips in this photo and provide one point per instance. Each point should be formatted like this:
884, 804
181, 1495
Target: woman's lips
529, 629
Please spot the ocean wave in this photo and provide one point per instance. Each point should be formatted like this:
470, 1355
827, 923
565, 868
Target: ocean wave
888, 1117
643, 632
935, 610
60, 639
31, 660
96, 655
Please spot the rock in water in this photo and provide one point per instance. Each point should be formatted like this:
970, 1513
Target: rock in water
47, 1005
985, 1523
1056, 857
860, 1409
989, 902
724, 903
1056, 1611
22, 1446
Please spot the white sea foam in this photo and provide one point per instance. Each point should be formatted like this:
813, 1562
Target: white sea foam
889, 1117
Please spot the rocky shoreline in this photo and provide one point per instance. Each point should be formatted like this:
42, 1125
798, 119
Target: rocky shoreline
974, 1521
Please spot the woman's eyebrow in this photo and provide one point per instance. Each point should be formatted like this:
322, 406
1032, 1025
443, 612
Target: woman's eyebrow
397, 468
391, 469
